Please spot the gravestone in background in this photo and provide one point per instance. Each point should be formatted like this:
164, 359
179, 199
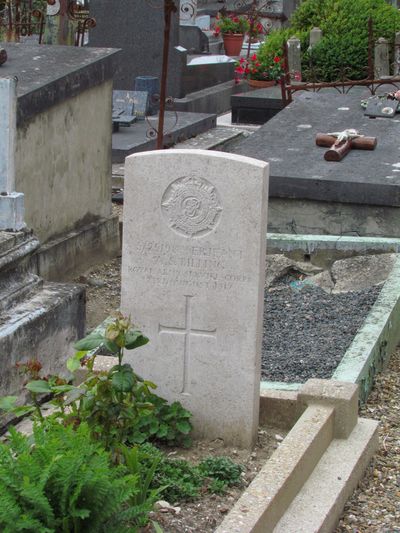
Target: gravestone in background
137, 27
193, 277
132, 102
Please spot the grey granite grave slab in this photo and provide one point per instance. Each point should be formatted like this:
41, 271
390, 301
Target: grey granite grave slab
297, 166
256, 106
138, 137
48, 74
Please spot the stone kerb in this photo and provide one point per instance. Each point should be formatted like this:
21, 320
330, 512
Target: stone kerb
193, 277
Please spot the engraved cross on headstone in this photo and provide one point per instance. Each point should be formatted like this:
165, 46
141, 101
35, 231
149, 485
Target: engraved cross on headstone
187, 331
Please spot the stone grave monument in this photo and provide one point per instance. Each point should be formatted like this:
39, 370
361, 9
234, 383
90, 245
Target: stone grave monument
137, 27
37, 319
359, 195
193, 280
63, 152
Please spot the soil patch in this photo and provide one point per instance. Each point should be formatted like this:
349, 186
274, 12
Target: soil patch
205, 514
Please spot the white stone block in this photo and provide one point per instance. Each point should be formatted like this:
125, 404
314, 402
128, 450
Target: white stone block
193, 270
12, 211
203, 22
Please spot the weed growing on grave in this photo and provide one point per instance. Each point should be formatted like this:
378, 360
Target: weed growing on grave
223, 472
181, 481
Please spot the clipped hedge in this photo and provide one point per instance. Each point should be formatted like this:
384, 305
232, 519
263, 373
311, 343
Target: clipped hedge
344, 46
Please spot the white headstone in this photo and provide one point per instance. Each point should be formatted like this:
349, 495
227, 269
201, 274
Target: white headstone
193, 271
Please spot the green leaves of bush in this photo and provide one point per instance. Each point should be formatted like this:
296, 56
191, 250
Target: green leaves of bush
343, 50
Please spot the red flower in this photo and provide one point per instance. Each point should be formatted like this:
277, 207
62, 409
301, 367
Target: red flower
253, 57
242, 60
277, 59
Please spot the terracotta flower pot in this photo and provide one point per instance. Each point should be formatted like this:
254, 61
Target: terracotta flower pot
261, 84
233, 43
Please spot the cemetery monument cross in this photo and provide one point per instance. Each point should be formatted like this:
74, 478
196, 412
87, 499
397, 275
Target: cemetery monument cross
193, 274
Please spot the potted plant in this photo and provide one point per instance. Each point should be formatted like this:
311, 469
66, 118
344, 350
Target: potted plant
259, 71
232, 28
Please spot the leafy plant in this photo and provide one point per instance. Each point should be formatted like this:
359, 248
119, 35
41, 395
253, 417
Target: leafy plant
59, 480
182, 481
119, 406
221, 470
163, 423
142, 466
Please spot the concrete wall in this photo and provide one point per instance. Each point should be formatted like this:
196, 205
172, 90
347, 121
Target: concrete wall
63, 163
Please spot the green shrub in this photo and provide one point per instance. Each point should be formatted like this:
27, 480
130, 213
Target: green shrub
343, 49
119, 406
275, 42
61, 481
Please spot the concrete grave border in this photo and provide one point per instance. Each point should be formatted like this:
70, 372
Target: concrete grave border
302, 487
377, 338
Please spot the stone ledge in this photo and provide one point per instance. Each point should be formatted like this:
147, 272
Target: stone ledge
66, 71
319, 504
62, 258
303, 487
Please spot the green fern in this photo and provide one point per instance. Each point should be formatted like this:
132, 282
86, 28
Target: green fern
63, 482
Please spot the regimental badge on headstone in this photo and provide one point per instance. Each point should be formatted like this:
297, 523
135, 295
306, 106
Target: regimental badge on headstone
381, 107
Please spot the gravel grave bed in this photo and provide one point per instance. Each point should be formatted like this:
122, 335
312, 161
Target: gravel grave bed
314, 327
307, 331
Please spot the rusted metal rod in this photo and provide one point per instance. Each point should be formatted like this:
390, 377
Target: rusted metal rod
169, 8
